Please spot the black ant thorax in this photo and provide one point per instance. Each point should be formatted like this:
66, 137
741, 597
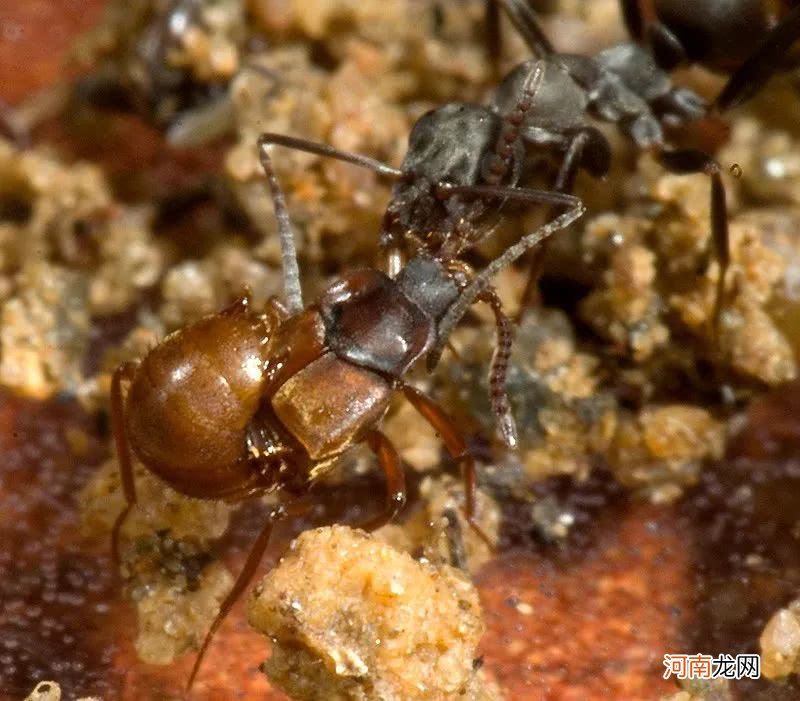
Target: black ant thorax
622, 85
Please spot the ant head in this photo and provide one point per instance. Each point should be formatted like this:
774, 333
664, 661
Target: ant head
448, 144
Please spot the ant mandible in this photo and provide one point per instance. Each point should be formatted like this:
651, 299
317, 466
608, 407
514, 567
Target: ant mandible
246, 402
622, 85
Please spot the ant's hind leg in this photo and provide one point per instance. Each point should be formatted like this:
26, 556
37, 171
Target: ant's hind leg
123, 372
691, 161
295, 508
457, 449
395, 479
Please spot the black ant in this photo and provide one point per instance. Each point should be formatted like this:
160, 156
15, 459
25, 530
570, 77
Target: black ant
247, 401
625, 86
462, 166
751, 39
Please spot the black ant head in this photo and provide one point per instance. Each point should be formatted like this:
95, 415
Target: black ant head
447, 145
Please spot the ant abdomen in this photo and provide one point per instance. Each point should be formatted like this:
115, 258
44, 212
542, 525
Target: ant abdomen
192, 399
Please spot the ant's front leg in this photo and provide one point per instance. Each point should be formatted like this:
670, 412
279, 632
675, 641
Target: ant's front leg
584, 141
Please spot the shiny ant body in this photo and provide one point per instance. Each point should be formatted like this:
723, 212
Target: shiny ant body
625, 86
750, 38
246, 402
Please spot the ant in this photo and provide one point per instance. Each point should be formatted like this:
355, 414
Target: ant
140, 76
461, 167
625, 86
246, 402
750, 38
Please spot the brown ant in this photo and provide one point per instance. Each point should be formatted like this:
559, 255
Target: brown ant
625, 86
246, 401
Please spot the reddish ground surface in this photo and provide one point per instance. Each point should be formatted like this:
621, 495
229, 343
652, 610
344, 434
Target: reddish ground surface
34, 38
591, 621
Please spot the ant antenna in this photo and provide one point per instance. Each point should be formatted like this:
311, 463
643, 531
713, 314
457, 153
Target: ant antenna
291, 270
481, 281
499, 162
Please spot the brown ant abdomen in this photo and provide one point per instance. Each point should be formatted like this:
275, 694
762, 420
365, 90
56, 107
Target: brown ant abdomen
191, 401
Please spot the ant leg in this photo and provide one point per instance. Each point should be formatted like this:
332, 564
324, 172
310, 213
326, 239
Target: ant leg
524, 20
564, 183
498, 369
494, 38
270, 138
507, 192
456, 447
691, 161
123, 372
455, 540
565, 180
481, 281
768, 58
392, 467
291, 269
296, 508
